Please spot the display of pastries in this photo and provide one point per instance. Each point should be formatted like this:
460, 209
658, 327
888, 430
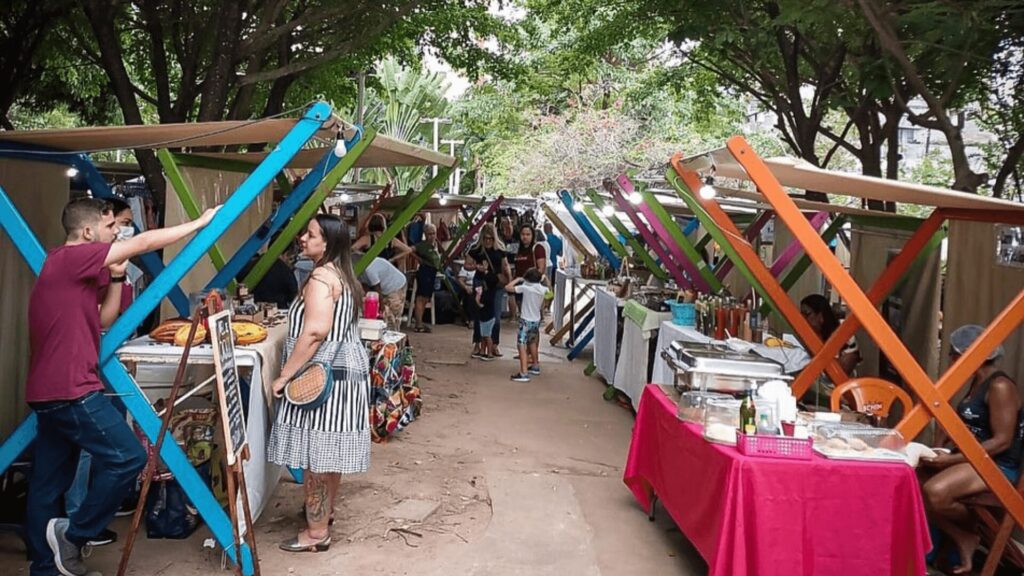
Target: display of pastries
164, 333
181, 336
248, 333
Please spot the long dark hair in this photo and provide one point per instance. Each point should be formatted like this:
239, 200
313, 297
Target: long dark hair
829, 322
338, 251
533, 237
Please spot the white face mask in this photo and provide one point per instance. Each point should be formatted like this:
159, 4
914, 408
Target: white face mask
125, 232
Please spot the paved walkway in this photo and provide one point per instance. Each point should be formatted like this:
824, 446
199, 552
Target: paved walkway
527, 478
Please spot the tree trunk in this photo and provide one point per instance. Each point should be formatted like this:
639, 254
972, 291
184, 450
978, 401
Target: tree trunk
220, 74
101, 16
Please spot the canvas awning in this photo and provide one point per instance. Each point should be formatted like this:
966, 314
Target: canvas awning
383, 152
794, 173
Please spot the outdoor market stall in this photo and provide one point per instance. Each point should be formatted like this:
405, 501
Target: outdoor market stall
661, 443
318, 125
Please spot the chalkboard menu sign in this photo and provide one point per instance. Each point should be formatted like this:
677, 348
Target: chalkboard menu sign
228, 392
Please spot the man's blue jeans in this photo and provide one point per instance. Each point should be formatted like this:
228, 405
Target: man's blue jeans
75, 495
67, 427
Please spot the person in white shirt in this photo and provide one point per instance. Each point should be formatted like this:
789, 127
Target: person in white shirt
532, 289
382, 276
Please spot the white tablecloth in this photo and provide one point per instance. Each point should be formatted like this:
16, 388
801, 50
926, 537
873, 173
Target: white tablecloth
631, 369
606, 333
558, 307
265, 359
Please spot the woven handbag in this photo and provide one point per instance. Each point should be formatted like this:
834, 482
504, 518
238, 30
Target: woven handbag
311, 386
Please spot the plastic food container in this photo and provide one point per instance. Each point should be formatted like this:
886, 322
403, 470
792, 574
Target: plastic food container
845, 441
693, 403
721, 419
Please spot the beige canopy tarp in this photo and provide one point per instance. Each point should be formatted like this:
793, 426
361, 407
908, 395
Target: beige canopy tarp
383, 151
39, 190
795, 173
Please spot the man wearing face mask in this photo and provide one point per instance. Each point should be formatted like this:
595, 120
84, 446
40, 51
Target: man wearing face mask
85, 474
64, 389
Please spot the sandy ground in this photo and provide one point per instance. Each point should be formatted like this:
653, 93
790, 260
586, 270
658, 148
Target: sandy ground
528, 478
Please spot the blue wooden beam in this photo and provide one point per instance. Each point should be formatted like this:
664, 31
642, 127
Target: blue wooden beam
588, 229
117, 377
279, 218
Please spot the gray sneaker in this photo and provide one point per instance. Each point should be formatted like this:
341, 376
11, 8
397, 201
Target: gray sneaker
66, 555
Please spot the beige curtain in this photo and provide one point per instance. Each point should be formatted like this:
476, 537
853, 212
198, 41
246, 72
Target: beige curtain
915, 302
39, 191
977, 289
211, 188
809, 283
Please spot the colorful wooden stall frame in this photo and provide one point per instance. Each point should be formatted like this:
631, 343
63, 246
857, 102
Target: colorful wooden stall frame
933, 397
317, 124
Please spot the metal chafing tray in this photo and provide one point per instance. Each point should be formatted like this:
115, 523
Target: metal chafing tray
719, 369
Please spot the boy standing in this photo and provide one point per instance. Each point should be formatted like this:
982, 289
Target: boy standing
64, 388
533, 291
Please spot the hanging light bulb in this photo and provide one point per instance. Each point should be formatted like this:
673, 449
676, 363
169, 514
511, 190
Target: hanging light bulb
608, 210
72, 172
339, 148
345, 197
443, 201
635, 197
707, 191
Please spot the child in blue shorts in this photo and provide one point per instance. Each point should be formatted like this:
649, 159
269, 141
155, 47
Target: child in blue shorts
532, 289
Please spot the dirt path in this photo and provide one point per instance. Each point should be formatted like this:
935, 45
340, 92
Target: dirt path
527, 478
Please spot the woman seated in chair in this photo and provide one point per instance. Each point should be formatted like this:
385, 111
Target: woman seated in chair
818, 313
992, 412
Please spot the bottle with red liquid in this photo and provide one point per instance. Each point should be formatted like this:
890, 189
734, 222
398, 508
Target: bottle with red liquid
371, 306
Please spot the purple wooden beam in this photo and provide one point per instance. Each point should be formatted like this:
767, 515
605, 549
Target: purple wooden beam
677, 253
795, 248
750, 233
652, 240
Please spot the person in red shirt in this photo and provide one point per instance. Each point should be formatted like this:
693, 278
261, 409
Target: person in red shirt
530, 254
64, 388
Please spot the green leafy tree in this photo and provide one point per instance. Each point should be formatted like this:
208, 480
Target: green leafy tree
401, 97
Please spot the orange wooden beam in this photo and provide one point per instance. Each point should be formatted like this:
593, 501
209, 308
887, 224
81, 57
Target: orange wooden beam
877, 327
961, 371
768, 282
881, 288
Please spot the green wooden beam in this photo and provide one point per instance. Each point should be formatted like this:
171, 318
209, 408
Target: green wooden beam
681, 240
603, 229
905, 223
227, 165
716, 233
188, 202
309, 209
638, 250
403, 217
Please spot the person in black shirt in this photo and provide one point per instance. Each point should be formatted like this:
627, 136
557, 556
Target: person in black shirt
485, 286
279, 285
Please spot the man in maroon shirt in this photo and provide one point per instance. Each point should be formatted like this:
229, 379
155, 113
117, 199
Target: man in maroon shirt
64, 388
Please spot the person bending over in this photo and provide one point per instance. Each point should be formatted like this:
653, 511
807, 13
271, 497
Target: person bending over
64, 387
387, 280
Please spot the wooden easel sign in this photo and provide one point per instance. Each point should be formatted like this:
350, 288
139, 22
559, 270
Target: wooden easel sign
236, 443
229, 393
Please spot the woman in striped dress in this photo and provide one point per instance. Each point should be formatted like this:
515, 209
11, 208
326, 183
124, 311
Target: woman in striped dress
334, 438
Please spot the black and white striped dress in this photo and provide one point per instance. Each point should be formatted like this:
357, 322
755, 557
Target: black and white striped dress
334, 437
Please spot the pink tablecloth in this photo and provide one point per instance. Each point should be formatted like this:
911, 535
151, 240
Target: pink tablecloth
764, 517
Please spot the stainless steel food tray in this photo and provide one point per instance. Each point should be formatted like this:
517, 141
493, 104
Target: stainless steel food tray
711, 358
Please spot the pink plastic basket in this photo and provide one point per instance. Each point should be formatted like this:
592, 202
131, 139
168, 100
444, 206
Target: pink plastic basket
782, 447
